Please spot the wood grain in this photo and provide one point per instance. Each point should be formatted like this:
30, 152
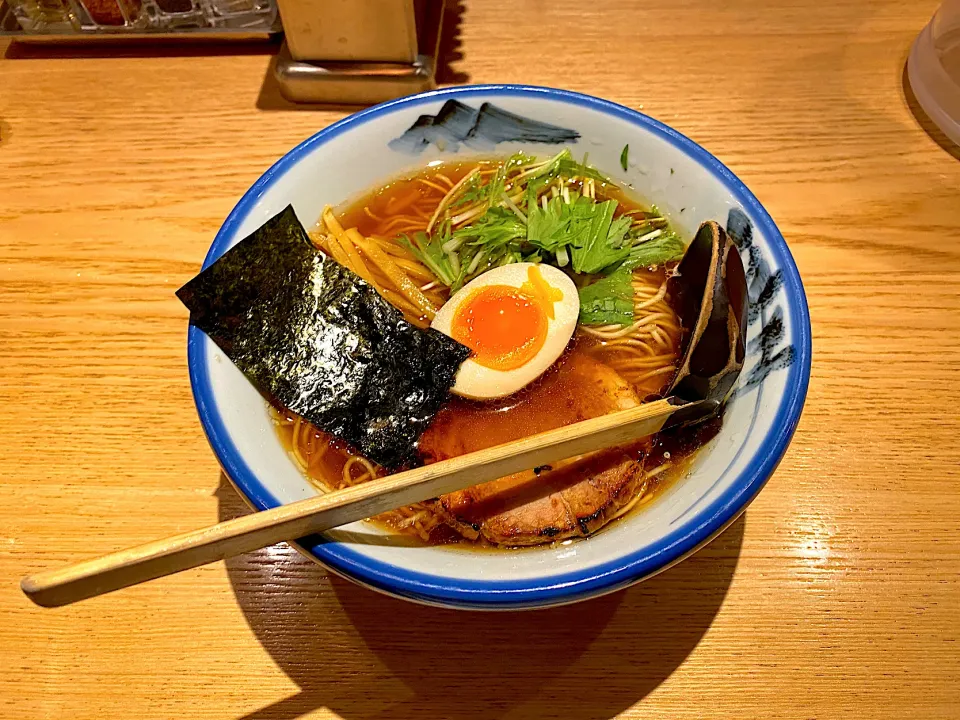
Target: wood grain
837, 595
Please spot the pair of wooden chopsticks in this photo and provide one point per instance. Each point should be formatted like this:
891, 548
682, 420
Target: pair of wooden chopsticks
288, 522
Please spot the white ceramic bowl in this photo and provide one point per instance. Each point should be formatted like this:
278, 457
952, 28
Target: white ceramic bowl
665, 168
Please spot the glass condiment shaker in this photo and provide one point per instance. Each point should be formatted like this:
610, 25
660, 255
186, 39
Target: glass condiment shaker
40, 15
934, 69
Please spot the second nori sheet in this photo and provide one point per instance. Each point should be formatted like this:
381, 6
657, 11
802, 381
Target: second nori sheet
322, 342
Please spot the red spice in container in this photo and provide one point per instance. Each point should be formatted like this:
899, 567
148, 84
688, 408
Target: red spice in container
108, 12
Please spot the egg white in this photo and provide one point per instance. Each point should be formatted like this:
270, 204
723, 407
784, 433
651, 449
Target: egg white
482, 383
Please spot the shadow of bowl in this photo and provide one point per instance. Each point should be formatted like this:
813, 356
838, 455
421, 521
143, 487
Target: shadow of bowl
365, 655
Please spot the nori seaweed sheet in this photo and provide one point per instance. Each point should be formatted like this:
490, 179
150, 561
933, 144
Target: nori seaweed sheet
321, 341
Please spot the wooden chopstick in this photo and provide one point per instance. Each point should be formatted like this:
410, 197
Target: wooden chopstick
198, 547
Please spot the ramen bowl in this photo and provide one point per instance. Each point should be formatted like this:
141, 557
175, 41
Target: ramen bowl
664, 168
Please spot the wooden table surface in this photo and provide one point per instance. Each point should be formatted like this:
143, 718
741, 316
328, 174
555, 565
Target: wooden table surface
836, 595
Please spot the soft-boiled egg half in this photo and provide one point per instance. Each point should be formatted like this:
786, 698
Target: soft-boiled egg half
517, 319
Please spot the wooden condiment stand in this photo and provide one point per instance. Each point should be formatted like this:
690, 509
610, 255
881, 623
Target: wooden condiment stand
357, 52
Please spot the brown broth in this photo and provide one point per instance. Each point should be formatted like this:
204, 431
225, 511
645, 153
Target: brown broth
462, 425
401, 195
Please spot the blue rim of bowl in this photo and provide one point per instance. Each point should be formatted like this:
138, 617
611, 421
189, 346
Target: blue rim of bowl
546, 590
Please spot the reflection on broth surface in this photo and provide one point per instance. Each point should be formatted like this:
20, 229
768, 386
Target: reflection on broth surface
418, 239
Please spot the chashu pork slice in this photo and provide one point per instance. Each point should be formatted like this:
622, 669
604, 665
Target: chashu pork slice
572, 498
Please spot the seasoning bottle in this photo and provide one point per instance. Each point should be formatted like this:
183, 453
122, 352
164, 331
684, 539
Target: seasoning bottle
934, 69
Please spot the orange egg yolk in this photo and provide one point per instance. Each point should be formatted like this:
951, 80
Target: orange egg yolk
545, 293
504, 326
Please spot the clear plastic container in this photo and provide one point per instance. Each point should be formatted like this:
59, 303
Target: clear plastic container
239, 13
110, 13
32, 14
934, 69
66, 19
